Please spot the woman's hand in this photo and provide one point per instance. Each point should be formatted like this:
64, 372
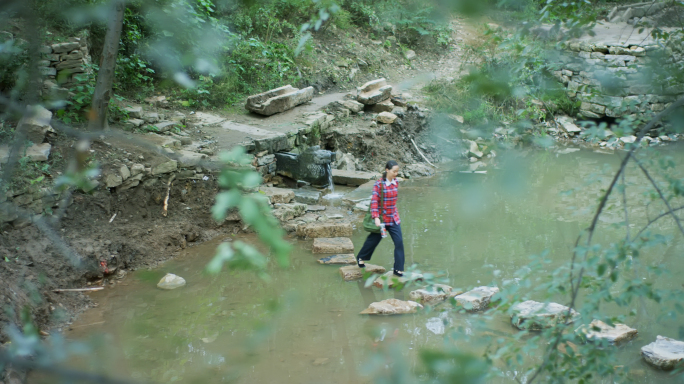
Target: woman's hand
377, 221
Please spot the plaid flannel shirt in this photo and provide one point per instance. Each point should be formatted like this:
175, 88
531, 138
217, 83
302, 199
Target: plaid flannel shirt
390, 215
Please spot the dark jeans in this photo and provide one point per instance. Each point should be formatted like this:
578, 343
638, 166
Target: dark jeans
373, 240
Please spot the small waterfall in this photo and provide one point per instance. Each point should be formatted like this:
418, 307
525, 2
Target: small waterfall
331, 185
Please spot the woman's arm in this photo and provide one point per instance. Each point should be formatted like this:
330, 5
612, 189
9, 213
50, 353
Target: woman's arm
375, 201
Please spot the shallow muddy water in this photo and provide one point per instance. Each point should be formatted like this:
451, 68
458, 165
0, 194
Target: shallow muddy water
304, 326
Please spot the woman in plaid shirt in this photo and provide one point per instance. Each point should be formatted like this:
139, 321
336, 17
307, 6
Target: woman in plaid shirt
389, 216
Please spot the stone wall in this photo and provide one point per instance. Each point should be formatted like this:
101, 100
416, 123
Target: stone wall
61, 63
609, 77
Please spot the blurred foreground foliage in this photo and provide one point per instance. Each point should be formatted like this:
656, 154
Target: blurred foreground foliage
162, 43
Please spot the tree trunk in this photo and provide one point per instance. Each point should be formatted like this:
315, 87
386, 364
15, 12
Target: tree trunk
105, 77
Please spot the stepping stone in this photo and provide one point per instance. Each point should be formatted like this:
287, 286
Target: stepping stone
315, 208
374, 92
347, 258
306, 196
432, 294
323, 229
392, 307
333, 245
664, 353
618, 334
353, 272
171, 281
389, 280
534, 315
286, 212
477, 299
278, 100
354, 178
278, 195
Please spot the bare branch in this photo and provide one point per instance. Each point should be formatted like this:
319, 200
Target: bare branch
662, 197
656, 219
624, 205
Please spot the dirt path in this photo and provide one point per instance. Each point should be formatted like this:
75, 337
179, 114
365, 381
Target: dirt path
231, 129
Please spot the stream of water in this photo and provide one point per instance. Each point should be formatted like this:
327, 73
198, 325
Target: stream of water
304, 326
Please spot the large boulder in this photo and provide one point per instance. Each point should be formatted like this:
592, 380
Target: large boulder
353, 272
374, 92
323, 229
353, 178
345, 162
392, 307
312, 166
534, 315
432, 294
278, 100
664, 353
333, 245
598, 330
35, 123
278, 195
477, 299
346, 258
171, 281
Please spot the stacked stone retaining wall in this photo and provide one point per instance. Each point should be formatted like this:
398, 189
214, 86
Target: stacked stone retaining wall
61, 63
616, 80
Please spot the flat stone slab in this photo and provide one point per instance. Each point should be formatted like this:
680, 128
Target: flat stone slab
325, 229
190, 159
354, 178
333, 245
353, 272
618, 334
360, 194
477, 299
568, 124
374, 92
347, 258
171, 281
389, 280
315, 208
39, 152
534, 315
278, 195
305, 196
165, 167
392, 307
278, 100
432, 294
664, 353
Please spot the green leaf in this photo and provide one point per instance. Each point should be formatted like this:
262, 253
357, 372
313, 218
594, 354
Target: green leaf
225, 201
